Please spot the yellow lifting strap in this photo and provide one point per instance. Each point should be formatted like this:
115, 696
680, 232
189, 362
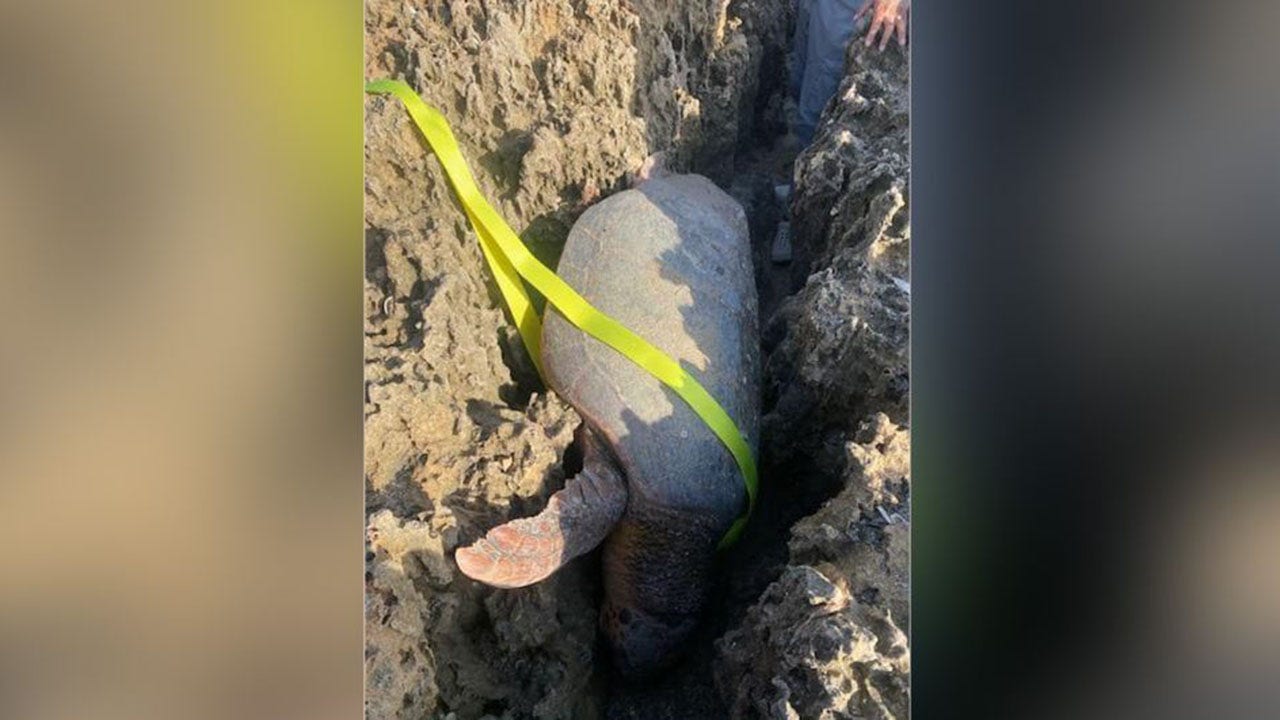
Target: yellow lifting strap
510, 261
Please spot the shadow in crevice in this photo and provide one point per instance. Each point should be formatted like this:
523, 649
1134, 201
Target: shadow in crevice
415, 304
544, 237
487, 416
403, 495
505, 162
375, 259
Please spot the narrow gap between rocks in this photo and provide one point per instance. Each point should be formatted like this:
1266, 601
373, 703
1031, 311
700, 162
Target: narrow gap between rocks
762, 169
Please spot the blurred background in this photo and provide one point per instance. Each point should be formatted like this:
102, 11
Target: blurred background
1095, 354
1095, 349
180, 396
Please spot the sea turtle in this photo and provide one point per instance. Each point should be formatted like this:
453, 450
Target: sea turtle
671, 260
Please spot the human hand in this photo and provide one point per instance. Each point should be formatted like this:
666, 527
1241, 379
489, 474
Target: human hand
887, 17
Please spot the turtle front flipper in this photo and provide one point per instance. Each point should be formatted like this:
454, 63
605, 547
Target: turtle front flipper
576, 519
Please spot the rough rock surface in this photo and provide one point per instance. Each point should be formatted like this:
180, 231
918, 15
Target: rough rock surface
851, 182
837, 349
828, 639
554, 102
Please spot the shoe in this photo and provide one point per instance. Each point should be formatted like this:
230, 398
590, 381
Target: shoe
780, 253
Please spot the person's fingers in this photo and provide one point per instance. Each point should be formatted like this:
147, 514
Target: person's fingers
902, 31
884, 20
862, 11
886, 14
875, 27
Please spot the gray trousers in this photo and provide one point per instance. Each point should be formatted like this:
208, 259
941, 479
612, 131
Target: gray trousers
823, 29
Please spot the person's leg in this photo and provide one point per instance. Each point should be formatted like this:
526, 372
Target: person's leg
800, 47
830, 27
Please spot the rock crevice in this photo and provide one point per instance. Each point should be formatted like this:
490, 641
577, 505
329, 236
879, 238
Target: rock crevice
827, 640
555, 103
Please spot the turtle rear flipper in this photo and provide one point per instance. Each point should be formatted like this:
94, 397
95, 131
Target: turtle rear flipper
576, 519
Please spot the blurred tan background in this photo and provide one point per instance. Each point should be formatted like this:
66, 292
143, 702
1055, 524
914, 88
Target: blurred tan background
180, 492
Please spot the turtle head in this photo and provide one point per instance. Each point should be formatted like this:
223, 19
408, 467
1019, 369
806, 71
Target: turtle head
657, 564
642, 643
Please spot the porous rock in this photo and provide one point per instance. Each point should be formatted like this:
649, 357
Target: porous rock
838, 348
554, 103
851, 183
828, 638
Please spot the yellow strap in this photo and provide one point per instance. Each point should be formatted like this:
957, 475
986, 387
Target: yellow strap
510, 261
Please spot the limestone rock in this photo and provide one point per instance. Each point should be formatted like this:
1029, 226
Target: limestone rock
838, 348
553, 103
809, 650
828, 639
851, 183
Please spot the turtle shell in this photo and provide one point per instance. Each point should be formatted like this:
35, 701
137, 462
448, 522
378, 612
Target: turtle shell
671, 260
